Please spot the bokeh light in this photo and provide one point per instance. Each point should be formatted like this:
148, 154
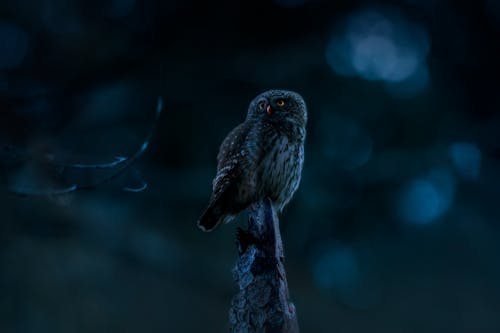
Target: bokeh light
425, 199
336, 268
379, 45
339, 273
466, 158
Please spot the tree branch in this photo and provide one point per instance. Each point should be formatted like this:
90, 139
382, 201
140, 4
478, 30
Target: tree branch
262, 302
117, 167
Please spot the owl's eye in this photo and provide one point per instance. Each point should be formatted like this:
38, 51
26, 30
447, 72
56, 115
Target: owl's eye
280, 103
262, 105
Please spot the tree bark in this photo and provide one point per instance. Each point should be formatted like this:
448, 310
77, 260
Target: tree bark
262, 302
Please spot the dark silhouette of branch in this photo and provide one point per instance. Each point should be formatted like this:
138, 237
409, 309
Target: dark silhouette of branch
117, 167
262, 302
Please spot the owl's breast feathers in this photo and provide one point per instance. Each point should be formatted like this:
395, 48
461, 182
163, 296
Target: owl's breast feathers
281, 166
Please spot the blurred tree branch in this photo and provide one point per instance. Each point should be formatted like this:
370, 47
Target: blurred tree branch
262, 302
12, 159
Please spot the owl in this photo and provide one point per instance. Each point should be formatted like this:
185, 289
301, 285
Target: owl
260, 158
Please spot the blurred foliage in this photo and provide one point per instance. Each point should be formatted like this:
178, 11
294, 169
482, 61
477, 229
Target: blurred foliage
395, 226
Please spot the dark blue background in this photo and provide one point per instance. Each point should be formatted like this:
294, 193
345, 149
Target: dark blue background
395, 227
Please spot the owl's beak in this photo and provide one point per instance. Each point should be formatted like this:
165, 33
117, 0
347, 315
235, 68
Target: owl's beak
269, 111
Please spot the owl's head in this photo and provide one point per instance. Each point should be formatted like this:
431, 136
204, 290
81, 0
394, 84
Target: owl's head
279, 105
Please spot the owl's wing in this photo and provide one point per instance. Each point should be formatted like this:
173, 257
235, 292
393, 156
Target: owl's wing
231, 159
224, 203
233, 185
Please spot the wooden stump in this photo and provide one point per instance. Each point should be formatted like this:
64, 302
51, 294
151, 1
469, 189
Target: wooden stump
262, 302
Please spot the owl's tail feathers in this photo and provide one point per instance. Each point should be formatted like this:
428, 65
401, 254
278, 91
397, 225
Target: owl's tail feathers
213, 216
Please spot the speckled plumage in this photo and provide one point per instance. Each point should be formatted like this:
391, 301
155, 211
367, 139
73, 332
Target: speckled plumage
262, 157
